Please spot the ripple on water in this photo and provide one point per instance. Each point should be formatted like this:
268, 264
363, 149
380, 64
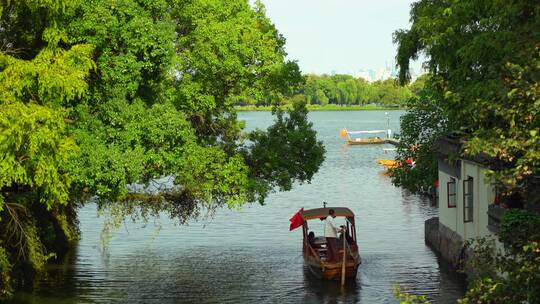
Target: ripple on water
249, 256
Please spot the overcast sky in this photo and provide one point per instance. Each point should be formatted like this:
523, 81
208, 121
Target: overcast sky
340, 36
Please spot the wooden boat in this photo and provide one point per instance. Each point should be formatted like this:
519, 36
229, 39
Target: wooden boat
389, 163
315, 249
364, 140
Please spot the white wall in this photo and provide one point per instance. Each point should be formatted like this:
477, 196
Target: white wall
447, 216
483, 194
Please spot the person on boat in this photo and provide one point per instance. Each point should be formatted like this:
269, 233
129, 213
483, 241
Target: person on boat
311, 238
345, 233
331, 234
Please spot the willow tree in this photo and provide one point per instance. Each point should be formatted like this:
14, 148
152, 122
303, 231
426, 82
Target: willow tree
102, 99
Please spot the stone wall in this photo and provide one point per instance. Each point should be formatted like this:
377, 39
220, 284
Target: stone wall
447, 243
431, 232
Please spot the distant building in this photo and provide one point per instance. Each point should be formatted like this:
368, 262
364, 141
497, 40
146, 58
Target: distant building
374, 75
365, 74
380, 74
383, 74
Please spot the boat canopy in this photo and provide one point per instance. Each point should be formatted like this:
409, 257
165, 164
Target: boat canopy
366, 132
323, 212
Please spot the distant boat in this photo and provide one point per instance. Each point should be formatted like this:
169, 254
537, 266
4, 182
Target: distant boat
389, 163
315, 248
351, 140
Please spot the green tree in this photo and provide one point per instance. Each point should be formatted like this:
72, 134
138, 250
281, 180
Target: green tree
510, 276
362, 91
345, 90
389, 93
287, 151
484, 70
166, 106
330, 90
321, 98
419, 84
40, 74
424, 124
310, 89
485, 56
101, 98
342, 93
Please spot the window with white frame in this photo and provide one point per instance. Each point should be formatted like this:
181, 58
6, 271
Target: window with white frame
451, 193
468, 199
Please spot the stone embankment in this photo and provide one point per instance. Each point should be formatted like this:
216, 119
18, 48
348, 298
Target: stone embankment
447, 243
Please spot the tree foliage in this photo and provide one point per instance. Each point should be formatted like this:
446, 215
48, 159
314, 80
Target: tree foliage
39, 76
103, 99
298, 156
510, 276
518, 228
406, 298
161, 100
486, 57
484, 66
421, 127
229, 51
519, 284
346, 90
5, 270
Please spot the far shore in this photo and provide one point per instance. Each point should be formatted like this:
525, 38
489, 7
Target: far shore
324, 108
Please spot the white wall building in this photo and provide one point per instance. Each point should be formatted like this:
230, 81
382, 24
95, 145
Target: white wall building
464, 197
466, 203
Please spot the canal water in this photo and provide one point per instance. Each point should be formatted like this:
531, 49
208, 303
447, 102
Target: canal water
250, 256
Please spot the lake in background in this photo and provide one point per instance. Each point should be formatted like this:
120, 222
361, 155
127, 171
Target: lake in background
249, 255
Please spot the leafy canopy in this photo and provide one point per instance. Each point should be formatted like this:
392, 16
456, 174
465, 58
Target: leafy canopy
106, 98
160, 103
510, 276
421, 127
34, 144
347, 90
485, 58
40, 75
484, 71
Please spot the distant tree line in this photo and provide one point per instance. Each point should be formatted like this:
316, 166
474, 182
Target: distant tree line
346, 90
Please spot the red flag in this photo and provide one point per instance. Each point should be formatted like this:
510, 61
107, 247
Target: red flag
296, 220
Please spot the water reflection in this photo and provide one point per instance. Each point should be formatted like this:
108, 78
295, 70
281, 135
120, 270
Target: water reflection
330, 292
249, 255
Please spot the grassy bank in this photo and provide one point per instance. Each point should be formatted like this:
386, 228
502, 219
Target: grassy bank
330, 107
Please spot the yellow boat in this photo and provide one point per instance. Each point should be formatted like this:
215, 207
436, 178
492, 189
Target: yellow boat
389, 163
366, 141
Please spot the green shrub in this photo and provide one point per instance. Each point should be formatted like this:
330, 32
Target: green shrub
518, 228
405, 298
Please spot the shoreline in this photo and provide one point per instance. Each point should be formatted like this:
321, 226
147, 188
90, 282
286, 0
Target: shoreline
322, 108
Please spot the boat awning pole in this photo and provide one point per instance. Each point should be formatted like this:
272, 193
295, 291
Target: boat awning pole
343, 268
